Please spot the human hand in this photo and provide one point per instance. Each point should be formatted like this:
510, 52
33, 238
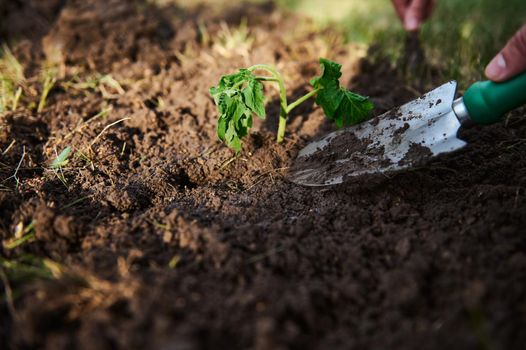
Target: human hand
511, 60
413, 13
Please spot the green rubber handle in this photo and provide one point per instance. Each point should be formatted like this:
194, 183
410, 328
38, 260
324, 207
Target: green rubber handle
487, 101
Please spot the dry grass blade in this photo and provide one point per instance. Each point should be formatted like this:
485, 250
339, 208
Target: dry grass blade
9, 147
106, 128
10, 67
12, 79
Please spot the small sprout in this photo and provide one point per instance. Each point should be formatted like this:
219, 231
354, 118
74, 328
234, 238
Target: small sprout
109, 81
174, 261
235, 41
57, 270
62, 159
240, 95
96, 82
18, 94
161, 105
49, 82
11, 79
204, 37
59, 163
25, 268
11, 69
21, 236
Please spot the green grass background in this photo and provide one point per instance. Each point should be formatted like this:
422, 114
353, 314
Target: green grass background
461, 37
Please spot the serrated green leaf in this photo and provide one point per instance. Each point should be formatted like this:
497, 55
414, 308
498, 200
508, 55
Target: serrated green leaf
238, 111
238, 96
235, 144
254, 98
342, 106
247, 120
354, 109
330, 71
221, 128
230, 132
330, 95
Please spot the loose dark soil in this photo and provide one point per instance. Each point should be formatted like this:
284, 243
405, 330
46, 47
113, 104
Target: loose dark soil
165, 241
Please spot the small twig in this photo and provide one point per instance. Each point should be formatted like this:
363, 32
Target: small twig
14, 176
227, 163
48, 85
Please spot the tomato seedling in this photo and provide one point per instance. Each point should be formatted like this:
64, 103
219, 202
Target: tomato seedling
240, 95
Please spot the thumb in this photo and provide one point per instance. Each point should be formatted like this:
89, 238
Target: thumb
511, 60
415, 15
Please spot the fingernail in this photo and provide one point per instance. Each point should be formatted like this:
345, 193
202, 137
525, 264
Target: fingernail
411, 24
496, 67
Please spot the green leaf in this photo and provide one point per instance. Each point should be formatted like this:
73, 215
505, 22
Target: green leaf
254, 98
237, 96
235, 144
62, 159
230, 132
330, 71
342, 106
221, 128
353, 109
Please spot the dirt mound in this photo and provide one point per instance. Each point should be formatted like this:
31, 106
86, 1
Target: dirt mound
156, 236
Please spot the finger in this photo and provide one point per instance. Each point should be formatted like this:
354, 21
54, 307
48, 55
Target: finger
511, 60
401, 7
415, 14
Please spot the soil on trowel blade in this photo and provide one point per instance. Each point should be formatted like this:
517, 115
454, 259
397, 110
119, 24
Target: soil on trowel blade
154, 235
416, 154
344, 156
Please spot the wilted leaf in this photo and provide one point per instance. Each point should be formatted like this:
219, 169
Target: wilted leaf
237, 97
339, 104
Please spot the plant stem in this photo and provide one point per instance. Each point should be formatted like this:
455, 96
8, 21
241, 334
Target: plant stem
301, 100
284, 108
282, 97
262, 78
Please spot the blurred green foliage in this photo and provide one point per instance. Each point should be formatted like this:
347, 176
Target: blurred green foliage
460, 38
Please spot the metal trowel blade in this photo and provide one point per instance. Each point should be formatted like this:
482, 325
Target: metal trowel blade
398, 139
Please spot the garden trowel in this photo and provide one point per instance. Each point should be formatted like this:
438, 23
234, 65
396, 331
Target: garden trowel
405, 136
